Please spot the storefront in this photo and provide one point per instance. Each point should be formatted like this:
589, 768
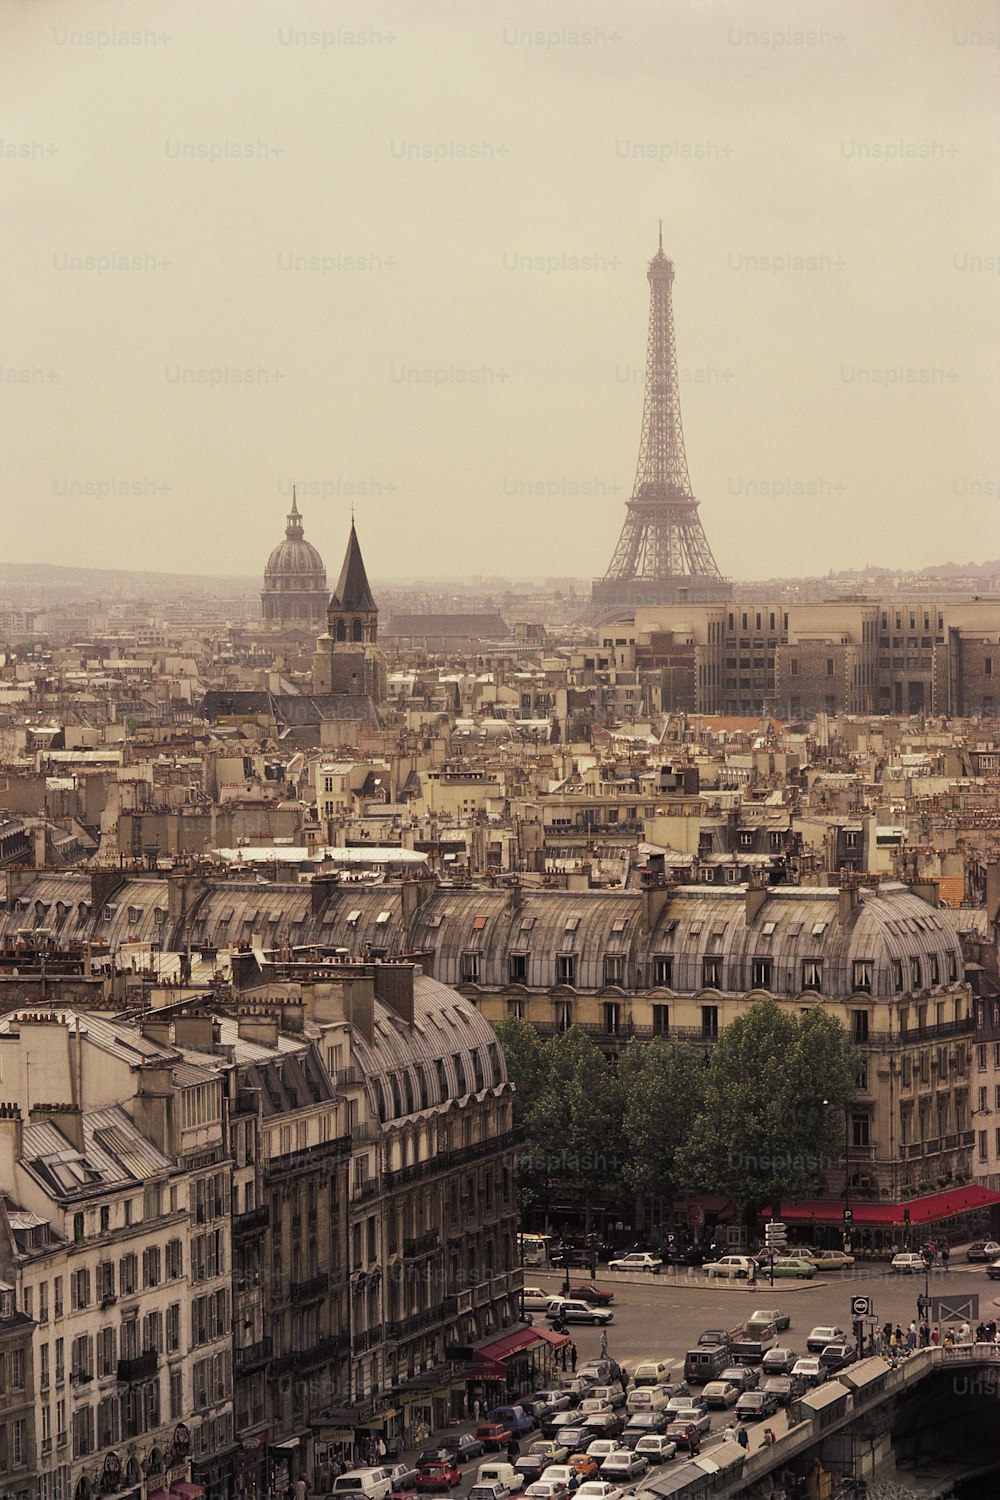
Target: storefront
520, 1361
875, 1229
356, 1434
250, 1468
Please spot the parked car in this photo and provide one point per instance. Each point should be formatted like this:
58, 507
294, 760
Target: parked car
721, 1393
637, 1260
463, 1445
598, 1489
604, 1423
614, 1395
494, 1434
585, 1465
686, 1435
810, 1369
532, 1466
586, 1291
762, 1316
624, 1465
779, 1361
520, 1421
402, 1477
570, 1417
694, 1416
983, 1250
547, 1489
656, 1447
908, 1263
362, 1484
563, 1474
647, 1421
744, 1377
572, 1310
714, 1338
729, 1265
837, 1356
576, 1439
829, 1260
550, 1450
599, 1449
785, 1388
822, 1335
546, 1403
536, 1298
602, 1372
753, 1405
993, 1270
797, 1266
646, 1398
444, 1474
501, 1476
686, 1255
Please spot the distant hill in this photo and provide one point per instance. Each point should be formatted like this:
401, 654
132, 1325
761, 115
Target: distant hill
53, 580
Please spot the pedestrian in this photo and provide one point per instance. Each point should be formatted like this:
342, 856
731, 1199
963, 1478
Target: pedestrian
949, 1339
936, 1335
300, 1488
476, 1409
991, 1331
911, 1336
604, 1344
729, 1435
887, 1333
572, 1356
743, 1438
964, 1334
925, 1335
769, 1437
945, 1254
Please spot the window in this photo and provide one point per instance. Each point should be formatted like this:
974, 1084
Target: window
43, 1367
915, 979
812, 974
106, 1282
663, 970
128, 1274
614, 968
661, 1020
863, 974
829, 666
174, 1257
711, 973
761, 974
982, 1145
80, 1289
517, 968
952, 968
612, 1018
710, 1021
897, 975
566, 968
106, 1352
859, 1025
470, 968
173, 1327
981, 1058
860, 1130
564, 1015
982, 1100
151, 1266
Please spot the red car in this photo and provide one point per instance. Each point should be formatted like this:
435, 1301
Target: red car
443, 1475
494, 1434
595, 1295
686, 1436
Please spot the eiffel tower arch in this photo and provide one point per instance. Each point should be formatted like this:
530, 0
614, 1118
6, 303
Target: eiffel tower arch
663, 555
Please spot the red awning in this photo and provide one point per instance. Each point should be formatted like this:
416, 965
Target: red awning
511, 1343
157, 1495
926, 1210
185, 1490
557, 1340
485, 1369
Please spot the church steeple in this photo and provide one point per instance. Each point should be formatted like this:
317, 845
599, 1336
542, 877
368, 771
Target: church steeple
353, 594
293, 531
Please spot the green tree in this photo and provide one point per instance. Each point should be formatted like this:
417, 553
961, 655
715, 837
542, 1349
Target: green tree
575, 1123
527, 1059
663, 1088
775, 1092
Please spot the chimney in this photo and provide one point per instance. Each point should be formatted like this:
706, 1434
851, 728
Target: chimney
11, 1142
512, 894
655, 896
245, 969
322, 890
757, 894
850, 895
293, 1016
359, 1004
394, 987
413, 893
157, 1029
153, 1105
67, 1118
196, 1029
930, 891
260, 1026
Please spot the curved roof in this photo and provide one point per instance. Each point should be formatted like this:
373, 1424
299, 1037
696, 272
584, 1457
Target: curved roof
449, 1053
296, 559
908, 944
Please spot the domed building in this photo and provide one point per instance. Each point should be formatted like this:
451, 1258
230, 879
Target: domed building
294, 592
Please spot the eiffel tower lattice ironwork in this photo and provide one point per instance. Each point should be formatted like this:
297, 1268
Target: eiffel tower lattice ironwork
663, 555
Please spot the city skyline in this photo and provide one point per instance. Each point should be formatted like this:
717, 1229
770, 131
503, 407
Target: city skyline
403, 266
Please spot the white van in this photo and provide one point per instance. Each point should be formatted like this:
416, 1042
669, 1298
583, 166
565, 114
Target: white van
365, 1484
646, 1398
502, 1476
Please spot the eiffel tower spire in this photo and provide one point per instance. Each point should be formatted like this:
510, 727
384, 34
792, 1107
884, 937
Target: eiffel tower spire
663, 555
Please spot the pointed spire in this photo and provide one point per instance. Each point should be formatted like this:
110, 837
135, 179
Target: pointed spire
295, 504
353, 592
293, 530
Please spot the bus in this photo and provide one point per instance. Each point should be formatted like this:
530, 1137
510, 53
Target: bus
533, 1249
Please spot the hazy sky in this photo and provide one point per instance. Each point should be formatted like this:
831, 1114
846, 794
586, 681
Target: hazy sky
400, 251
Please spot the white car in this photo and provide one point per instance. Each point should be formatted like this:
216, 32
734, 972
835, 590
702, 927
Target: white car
536, 1298
730, 1265
636, 1260
600, 1448
597, 1489
909, 1263
624, 1464
810, 1369
656, 1447
578, 1312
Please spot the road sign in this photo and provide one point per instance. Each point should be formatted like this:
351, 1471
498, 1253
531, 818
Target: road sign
955, 1309
696, 1215
848, 1216
861, 1307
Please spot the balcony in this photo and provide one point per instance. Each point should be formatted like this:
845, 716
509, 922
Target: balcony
142, 1367
311, 1158
310, 1290
446, 1161
346, 1078
321, 1353
423, 1244
251, 1222
252, 1357
368, 1133
364, 1187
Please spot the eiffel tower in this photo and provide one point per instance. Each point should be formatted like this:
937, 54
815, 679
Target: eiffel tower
663, 556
